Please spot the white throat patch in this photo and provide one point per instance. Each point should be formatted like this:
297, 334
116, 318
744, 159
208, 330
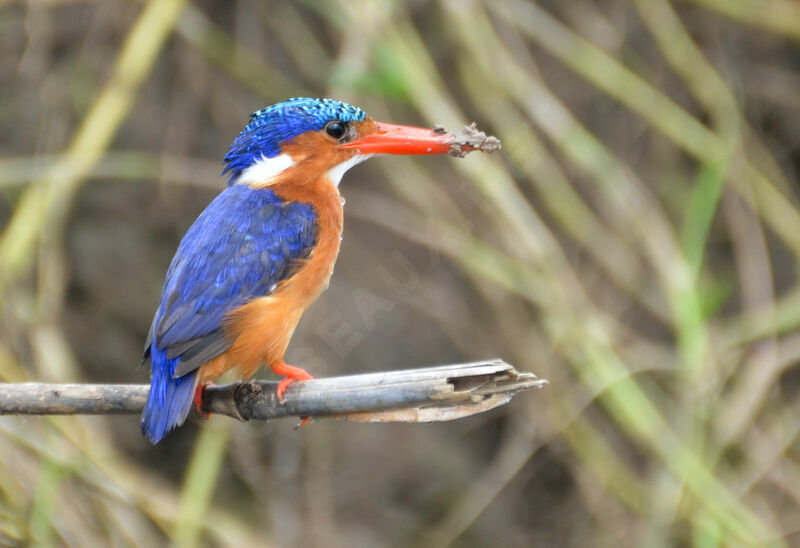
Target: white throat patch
336, 172
264, 170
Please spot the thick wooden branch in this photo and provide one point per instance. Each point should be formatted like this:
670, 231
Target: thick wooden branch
412, 395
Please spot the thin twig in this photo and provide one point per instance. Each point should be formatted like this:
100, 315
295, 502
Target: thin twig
413, 395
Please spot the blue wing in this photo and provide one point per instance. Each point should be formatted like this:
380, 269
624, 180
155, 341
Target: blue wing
244, 243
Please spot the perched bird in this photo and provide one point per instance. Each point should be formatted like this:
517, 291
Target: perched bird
262, 251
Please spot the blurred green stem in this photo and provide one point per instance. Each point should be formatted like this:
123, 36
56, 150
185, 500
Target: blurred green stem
200, 481
700, 211
604, 373
531, 156
610, 76
779, 16
568, 314
229, 55
40, 524
49, 198
120, 164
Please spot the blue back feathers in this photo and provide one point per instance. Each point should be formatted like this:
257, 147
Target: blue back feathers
274, 125
244, 243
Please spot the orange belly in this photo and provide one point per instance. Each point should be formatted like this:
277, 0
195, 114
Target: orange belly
262, 328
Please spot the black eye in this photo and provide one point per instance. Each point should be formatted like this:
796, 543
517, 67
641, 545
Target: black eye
335, 129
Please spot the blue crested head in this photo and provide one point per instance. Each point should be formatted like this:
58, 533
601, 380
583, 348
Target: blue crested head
274, 125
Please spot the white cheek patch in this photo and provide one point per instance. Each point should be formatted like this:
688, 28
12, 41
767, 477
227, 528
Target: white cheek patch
264, 170
336, 172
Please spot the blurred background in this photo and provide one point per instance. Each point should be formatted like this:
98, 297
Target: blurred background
635, 243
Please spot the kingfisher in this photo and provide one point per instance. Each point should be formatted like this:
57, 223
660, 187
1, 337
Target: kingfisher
262, 251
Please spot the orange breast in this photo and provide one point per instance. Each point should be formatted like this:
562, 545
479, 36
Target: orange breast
262, 328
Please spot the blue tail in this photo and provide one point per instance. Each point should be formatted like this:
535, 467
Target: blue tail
170, 399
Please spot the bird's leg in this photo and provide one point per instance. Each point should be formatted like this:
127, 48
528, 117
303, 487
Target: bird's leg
292, 373
198, 399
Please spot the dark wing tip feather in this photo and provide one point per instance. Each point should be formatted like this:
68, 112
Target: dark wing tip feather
199, 351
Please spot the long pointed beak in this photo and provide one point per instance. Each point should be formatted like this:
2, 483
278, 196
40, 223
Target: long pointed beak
394, 139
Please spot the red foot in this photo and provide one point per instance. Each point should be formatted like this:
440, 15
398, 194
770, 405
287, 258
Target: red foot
303, 422
198, 399
292, 374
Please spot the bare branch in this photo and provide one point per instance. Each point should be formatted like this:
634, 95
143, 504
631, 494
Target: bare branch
412, 395
36, 398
